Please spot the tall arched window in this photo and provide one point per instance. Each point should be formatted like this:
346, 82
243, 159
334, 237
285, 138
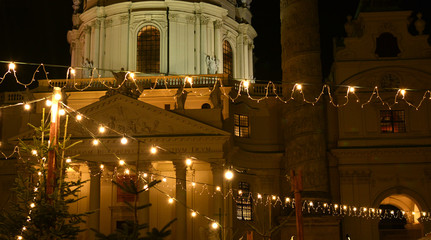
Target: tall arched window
227, 59
148, 54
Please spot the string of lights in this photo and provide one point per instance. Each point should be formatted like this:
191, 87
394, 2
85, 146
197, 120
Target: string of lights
243, 86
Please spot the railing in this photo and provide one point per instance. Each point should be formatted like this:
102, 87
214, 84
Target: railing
260, 89
11, 97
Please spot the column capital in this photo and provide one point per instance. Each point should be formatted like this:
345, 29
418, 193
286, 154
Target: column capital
218, 24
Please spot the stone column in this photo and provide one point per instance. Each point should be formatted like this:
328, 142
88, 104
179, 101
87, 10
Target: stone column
87, 47
245, 57
304, 125
217, 206
181, 196
250, 61
96, 42
102, 45
218, 45
94, 218
204, 50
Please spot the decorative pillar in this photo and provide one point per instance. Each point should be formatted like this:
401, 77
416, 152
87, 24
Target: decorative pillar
181, 196
204, 47
101, 45
218, 210
87, 43
197, 45
240, 57
305, 141
245, 57
210, 37
94, 218
218, 45
96, 42
250, 61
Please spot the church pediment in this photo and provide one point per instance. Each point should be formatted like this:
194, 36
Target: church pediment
137, 118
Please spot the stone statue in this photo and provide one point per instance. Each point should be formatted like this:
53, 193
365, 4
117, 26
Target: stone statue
76, 6
353, 27
212, 64
126, 90
420, 24
76, 21
180, 97
87, 65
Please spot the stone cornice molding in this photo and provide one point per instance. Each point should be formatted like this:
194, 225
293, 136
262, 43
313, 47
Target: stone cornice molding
342, 153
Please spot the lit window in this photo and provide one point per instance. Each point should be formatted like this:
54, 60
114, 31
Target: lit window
392, 121
227, 59
241, 125
148, 54
244, 203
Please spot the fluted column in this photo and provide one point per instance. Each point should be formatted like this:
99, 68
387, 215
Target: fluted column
181, 196
204, 46
245, 57
96, 42
217, 171
218, 45
305, 142
94, 218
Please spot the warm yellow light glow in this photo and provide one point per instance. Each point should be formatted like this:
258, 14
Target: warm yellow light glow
351, 89
392, 212
127, 171
39, 173
27, 106
311, 204
214, 225
164, 179
32, 205
218, 188
171, 200
57, 96
246, 83
145, 175
372, 210
403, 92
19, 237
102, 166
124, 140
228, 175
153, 150
259, 196
132, 75
62, 112
274, 197
102, 129
336, 206
189, 80
72, 71
48, 103
239, 192
68, 160
424, 214
365, 209
189, 162
287, 199
193, 184
354, 209
403, 212
193, 214
325, 205
344, 207
79, 117
34, 152
35, 189
298, 86
12, 66
24, 228
121, 162
95, 142
145, 186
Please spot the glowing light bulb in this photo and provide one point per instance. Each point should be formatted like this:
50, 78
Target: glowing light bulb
344, 207
62, 112
127, 171
32, 205
171, 200
132, 75
34, 152
12, 66
218, 188
27, 106
123, 140
336, 206
39, 173
392, 212
403, 92
413, 213
48, 103
145, 186
325, 205
354, 209
35, 189
24, 228
102, 129
57, 96
102, 166
214, 225
145, 175
246, 84
259, 196
189, 162
403, 212
298, 86
228, 174
79, 117
351, 89
164, 179
95, 142
153, 150
193, 184
72, 71
193, 214
365, 209
19, 237
189, 80
287, 199
372, 210
68, 160
239, 192
274, 197
424, 214
121, 162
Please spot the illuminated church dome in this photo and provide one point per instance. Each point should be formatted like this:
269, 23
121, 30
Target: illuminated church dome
164, 37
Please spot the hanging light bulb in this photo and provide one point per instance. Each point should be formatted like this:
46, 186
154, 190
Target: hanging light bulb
19, 238
102, 129
218, 188
102, 166
193, 184
171, 200
214, 225
274, 197
287, 199
123, 140
228, 175
351, 89
57, 96
259, 196
62, 112
164, 179
311, 204
145, 175
34, 152
95, 142
12, 66
79, 117
246, 84
240, 192
32, 205
121, 162
153, 150
193, 214
68, 160
127, 171
27, 106
72, 71
48, 103
189, 162
298, 86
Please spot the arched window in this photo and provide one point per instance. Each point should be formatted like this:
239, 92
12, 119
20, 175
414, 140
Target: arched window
227, 59
148, 54
387, 45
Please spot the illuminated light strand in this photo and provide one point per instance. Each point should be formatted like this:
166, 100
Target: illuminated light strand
23, 103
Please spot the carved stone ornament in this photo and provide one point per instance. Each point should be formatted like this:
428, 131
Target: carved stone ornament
420, 24
204, 20
190, 19
218, 24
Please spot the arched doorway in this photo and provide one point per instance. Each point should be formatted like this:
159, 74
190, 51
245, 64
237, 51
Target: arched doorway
406, 228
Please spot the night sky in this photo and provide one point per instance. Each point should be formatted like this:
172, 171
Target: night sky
35, 31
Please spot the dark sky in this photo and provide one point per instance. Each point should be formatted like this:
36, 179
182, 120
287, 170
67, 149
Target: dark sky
35, 31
